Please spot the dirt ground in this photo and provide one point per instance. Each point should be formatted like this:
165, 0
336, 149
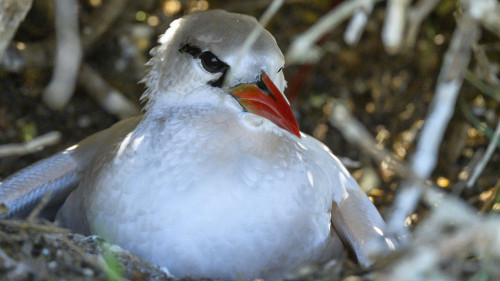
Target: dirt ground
389, 94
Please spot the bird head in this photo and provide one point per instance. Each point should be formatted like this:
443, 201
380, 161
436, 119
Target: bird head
199, 60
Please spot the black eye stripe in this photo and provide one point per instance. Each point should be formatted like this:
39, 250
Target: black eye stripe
192, 50
209, 61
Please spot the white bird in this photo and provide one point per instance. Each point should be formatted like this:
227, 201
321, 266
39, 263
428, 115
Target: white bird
215, 179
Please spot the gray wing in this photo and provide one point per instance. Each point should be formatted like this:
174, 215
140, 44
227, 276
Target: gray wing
59, 174
354, 217
360, 225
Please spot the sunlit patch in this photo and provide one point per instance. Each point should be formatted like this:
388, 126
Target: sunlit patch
370, 107
153, 20
382, 135
123, 145
386, 171
411, 219
443, 182
140, 16
377, 192
310, 178
137, 142
496, 207
302, 146
71, 148
325, 148
171, 7
390, 244
320, 131
439, 39
472, 132
399, 149
20, 46
486, 195
378, 230
200, 5
299, 156
463, 175
95, 3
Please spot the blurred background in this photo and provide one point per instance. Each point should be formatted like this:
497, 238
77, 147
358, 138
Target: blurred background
388, 91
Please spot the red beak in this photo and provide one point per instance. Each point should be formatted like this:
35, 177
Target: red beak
264, 99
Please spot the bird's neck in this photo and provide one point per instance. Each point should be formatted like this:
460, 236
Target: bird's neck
175, 99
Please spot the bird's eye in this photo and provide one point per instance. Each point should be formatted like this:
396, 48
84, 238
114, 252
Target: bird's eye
211, 63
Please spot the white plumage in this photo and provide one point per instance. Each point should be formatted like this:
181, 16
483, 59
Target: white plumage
206, 188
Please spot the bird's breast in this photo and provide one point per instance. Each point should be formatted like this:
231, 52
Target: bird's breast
195, 194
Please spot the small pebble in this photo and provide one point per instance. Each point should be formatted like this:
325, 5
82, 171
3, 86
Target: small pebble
84, 121
52, 265
45, 252
88, 272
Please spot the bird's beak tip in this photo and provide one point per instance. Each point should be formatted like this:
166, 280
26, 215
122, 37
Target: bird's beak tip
265, 99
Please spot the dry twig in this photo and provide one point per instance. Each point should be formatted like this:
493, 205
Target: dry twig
449, 82
302, 49
12, 13
68, 55
416, 16
486, 157
109, 98
33, 145
357, 24
394, 25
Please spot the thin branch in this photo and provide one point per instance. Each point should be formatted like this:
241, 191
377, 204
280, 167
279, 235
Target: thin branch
407, 199
357, 24
356, 133
416, 15
303, 50
394, 25
33, 145
12, 13
484, 69
487, 131
23, 224
450, 80
487, 12
482, 86
101, 21
112, 100
487, 156
68, 55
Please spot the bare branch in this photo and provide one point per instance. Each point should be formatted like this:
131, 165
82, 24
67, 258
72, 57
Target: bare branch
357, 24
68, 56
31, 146
394, 25
416, 16
12, 13
100, 23
109, 98
450, 80
302, 49
489, 151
